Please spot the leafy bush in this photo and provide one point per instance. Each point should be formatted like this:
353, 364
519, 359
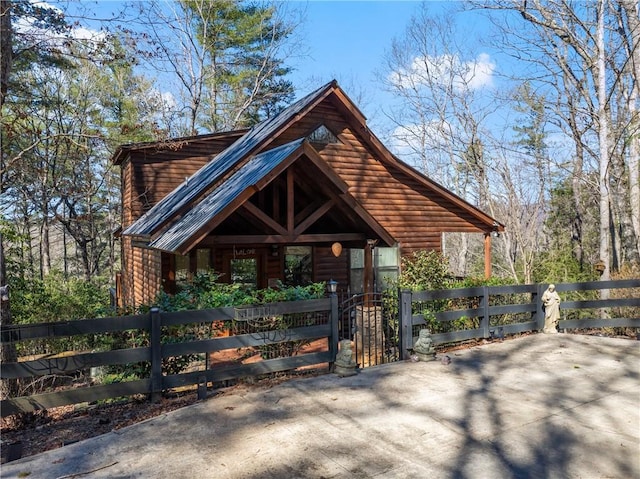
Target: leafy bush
56, 298
204, 292
421, 271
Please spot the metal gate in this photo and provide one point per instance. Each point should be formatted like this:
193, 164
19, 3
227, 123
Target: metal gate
371, 325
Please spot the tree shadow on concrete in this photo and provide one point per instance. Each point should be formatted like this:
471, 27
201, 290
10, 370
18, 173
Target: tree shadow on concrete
537, 406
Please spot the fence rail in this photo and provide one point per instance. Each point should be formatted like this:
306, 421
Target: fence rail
321, 314
477, 307
480, 310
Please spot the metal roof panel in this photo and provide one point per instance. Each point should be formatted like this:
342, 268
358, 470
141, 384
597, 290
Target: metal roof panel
204, 178
246, 177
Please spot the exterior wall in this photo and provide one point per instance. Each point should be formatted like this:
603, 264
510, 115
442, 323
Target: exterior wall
147, 176
405, 208
141, 275
326, 266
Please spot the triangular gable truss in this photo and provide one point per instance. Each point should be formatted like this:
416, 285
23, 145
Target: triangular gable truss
233, 195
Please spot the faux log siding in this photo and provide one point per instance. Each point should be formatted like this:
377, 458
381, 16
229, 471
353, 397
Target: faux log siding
149, 175
403, 206
127, 197
152, 181
141, 274
127, 272
147, 278
326, 266
274, 266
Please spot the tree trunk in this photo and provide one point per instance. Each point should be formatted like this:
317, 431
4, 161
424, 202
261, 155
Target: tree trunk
603, 133
632, 10
45, 246
6, 53
8, 387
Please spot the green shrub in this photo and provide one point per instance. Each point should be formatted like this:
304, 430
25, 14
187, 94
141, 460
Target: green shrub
56, 298
204, 292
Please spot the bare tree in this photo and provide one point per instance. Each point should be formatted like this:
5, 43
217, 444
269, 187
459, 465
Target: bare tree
225, 59
445, 121
583, 52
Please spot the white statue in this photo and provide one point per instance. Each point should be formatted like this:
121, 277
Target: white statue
551, 301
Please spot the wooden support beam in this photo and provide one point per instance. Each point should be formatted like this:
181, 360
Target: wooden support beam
487, 255
290, 201
261, 216
313, 217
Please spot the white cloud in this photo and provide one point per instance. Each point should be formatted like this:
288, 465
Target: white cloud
446, 70
28, 27
168, 100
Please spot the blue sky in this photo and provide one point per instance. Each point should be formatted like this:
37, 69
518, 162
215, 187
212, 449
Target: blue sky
347, 41
343, 40
349, 38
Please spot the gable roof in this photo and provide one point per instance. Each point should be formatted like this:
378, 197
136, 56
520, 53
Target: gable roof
254, 175
173, 210
259, 136
123, 151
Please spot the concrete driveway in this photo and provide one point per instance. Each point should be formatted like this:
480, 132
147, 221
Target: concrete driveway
540, 406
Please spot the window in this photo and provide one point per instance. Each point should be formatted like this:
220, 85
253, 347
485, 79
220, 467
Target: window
196, 262
386, 262
356, 282
385, 268
203, 261
244, 271
298, 265
323, 135
182, 268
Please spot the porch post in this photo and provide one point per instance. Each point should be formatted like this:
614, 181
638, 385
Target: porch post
487, 255
368, 269
368, 280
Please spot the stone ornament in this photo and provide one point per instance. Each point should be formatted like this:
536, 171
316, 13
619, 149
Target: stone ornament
423, 348
551, 301
345, 365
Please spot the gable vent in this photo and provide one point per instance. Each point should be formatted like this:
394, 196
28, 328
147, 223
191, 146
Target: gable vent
323, 135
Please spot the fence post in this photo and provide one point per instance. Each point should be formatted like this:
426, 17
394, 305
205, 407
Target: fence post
333, 340
156, 354
405, 323
484, 302
539, 310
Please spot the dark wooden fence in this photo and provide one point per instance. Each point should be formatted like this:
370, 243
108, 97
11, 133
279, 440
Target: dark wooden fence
305, 321
496, 311
453, 315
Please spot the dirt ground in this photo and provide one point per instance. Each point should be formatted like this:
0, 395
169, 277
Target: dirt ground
45, 430
57, 427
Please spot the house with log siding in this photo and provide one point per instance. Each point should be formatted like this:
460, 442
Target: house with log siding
308, 195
